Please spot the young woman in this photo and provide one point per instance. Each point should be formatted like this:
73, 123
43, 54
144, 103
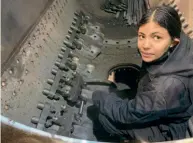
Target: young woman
162, 105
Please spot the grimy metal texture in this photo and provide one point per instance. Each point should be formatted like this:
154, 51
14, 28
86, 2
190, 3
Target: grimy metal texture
65, 87
85, 56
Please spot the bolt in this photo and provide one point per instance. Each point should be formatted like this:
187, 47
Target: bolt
63, 49
55, 118
66, 91
177, 9
63, 107
67, 37
189, 32
40, 106
74, 23
184, 25
60, 56
76, 13
90, 68
75, 18
50, 81
34, 120
54, 71
173, 5
75, 60
46, 92
171, 1
182, 19
179, 13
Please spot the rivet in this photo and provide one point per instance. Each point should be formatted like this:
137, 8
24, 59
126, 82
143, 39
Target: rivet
26, 72
14, 93
17, 61
21, 82
3, 83
11, 71
6, 107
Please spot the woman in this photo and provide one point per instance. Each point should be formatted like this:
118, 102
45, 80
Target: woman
162, 105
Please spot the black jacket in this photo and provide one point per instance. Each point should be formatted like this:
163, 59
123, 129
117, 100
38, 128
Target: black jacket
162, 103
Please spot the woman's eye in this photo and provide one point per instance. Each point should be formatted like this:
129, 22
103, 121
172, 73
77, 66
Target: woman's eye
141, 36
156, 37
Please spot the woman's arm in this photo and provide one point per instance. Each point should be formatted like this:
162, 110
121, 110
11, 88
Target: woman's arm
147, 106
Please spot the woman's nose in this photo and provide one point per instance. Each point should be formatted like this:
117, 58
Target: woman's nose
146, 44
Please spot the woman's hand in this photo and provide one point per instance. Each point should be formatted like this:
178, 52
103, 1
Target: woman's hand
112, 77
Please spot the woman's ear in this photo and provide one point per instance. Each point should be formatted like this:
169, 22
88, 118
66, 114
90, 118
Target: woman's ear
175, 42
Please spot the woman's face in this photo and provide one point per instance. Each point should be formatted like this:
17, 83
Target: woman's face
153, 41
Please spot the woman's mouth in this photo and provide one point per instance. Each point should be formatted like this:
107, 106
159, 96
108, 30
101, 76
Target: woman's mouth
146, 55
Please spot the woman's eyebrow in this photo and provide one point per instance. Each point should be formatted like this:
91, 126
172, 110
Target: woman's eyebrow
141, 33
156, 33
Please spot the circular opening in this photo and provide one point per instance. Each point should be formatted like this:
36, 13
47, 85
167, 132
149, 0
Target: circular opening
96, 27
127, 74
92, 52
95, 36
117, 42
129, 46
106, 41
128, 41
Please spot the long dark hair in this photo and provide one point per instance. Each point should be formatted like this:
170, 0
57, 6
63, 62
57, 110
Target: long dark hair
167, 17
